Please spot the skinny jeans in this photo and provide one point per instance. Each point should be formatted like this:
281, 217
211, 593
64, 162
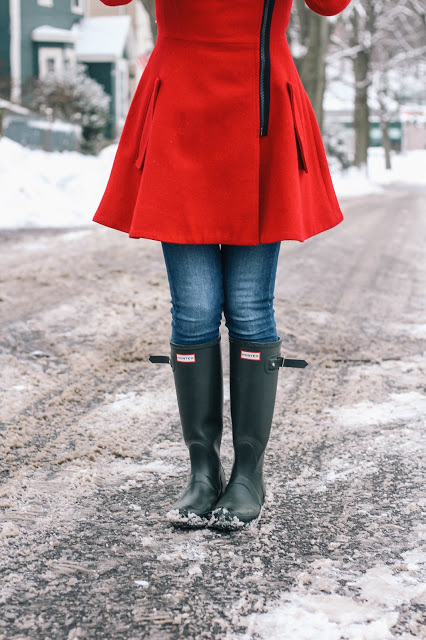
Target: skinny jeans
208, 280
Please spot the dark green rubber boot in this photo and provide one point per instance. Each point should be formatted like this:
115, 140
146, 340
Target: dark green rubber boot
199, 388
254, 368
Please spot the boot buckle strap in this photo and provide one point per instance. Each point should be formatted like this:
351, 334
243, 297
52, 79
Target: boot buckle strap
162, 359
272, 363
275, 362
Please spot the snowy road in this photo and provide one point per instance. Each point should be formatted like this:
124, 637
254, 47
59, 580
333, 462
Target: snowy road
92, 456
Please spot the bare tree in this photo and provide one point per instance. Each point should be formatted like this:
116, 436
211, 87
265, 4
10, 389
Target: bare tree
379, 38
309, 36
384, 44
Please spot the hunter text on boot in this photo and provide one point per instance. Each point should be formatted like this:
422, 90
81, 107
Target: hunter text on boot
250, 355
185, 357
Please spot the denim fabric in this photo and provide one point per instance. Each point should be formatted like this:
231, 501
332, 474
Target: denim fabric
207, 280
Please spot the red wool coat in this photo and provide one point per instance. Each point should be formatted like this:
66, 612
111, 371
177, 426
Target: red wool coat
221, 143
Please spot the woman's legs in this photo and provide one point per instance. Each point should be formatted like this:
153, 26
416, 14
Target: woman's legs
240, 280
205, 280
196, 288
249, 280
195, 279
254, 347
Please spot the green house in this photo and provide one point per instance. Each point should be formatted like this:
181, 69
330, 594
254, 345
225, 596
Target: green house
42, 37
106, 46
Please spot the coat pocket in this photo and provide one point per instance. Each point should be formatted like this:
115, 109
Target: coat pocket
298, 128
145, 128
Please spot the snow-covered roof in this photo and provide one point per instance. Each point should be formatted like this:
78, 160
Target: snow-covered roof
103, 37
46, 33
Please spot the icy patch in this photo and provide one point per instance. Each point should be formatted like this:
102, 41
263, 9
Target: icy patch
193, 549
74, 235
314, 610
195, 570
170, 449
319, 317
129, 484
379, 585
36, 245
49, 241
137, 405
158, 466
9, 530
402, 406
417, 556
147, 541
327, 617
338, 470
142, 583
136, 470
343, 470
411, 329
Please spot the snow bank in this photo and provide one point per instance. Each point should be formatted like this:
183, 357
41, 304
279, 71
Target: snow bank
63, 189
406, 168
58, 189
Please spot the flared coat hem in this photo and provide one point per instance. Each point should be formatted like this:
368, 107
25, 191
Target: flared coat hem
218, 239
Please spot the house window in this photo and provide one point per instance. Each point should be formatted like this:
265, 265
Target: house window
50, 62
50, 65
70, 61
45, 3
77, 6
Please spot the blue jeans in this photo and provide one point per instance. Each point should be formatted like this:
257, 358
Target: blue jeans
208, 279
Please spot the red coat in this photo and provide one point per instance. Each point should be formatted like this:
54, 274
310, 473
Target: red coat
221, 143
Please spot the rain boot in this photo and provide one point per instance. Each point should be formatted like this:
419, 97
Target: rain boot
254, 368
198, 380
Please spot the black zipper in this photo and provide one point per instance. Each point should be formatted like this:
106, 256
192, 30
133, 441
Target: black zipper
265, 66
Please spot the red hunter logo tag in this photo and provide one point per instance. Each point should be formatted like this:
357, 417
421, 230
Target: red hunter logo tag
185, 357
250, 355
